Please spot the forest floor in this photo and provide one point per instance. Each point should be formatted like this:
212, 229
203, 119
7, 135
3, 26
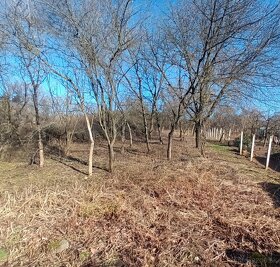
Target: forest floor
222, 210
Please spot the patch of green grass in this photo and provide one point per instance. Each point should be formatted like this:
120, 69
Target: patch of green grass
220, 148
3, 255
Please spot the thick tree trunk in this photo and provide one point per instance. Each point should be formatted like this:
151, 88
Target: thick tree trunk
169, 144
200, 138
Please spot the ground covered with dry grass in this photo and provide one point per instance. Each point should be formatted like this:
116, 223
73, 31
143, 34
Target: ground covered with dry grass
216, 211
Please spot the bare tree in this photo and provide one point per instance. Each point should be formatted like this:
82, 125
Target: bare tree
25, 39
225, 46
135, 83
177, 92
100, 34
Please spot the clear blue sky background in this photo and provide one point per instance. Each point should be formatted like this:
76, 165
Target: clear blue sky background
268, 103
152, 10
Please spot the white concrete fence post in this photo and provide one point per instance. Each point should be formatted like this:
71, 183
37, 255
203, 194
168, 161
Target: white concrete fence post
241, 143
269, 152
252, 148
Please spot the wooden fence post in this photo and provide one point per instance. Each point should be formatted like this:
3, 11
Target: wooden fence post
269, 152
252, 148
241, 143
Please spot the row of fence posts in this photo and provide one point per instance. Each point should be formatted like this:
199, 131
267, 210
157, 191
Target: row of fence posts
253, 147
219, 134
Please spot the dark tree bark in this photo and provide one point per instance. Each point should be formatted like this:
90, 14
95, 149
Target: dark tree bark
198, 134
170, 141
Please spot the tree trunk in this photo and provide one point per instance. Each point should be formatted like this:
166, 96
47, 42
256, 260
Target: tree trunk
66, 148
41, 148
90, 156
38, 124
193, 130
146, 131
181, 131
222, 136
123, 138
200, 138
111, 157
202, 142
145, 123
198, 129
266, 133
159, 134
130, 135
159, 129
169, 144
151, 128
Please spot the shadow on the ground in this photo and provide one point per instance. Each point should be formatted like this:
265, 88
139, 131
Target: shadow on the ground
83, 162
70, 166
274, 162
64, 160
254, 258
274, 191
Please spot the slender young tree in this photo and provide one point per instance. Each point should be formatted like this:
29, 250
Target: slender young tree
25, 39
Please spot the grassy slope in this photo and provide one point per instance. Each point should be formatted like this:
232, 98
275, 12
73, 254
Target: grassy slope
218, 211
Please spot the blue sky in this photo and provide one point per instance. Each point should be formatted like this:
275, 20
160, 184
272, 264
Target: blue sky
154, 8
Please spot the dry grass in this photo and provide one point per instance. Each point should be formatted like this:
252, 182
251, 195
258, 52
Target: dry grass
150, 212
